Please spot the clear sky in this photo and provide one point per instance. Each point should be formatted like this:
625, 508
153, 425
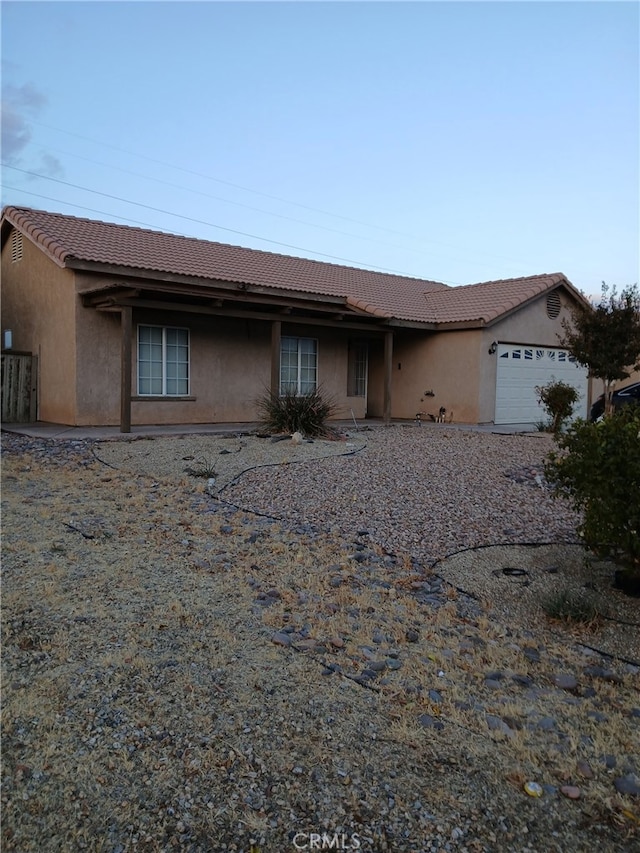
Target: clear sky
454, 141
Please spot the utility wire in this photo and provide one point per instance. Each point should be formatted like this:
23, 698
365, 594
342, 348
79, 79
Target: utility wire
259, 209
211, 178
90, 209
200, 221
263, 194
271, 213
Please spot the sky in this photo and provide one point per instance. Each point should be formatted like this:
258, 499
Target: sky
452, 141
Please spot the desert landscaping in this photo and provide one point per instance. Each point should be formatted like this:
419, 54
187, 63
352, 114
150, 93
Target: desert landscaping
231, 643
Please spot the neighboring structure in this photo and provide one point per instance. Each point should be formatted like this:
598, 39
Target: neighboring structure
132, 326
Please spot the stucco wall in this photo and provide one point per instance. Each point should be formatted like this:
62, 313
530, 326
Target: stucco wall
229, 368
446, 364
230, 358
98, 348
530, 325
38, 305
457, 367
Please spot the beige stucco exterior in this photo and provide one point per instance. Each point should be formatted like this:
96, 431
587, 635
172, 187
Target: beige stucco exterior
79, 351
39, 306
457, 366
531, 326
79, 347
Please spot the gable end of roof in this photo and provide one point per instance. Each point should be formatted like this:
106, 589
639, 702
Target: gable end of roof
51, 246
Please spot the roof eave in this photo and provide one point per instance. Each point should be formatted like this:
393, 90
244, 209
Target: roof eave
478, 323
39, 238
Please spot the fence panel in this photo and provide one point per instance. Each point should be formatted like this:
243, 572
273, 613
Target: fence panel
18, 388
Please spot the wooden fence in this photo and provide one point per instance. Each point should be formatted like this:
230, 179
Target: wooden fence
19, 383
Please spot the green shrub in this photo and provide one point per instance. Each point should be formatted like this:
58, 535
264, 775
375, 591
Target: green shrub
598, 470
558, 399
203, 468
290, 412
570, 606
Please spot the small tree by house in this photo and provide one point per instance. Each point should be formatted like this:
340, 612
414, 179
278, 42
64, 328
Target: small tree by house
598, 469
598, 466
605, 338
558, 399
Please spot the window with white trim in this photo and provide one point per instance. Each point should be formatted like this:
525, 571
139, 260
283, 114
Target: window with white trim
163, 361
298, 365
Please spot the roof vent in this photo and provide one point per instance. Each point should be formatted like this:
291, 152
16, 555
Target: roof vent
16, 246
553, 305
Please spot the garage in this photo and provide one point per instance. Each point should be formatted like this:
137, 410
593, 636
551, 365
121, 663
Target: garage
521, 368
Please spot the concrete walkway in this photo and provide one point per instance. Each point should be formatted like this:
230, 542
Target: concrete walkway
40, 429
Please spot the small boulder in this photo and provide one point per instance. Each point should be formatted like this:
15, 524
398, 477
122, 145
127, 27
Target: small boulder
566, 681
572, 792
627, 785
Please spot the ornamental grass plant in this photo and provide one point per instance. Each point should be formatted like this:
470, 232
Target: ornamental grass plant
291, 412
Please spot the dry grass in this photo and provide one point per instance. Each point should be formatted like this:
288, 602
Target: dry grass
146, 708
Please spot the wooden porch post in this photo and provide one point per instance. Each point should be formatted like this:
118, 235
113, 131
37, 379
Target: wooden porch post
276, 331
388, 366
126, 326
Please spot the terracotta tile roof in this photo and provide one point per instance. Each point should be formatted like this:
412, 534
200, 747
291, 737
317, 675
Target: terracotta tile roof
69, 240
488, 300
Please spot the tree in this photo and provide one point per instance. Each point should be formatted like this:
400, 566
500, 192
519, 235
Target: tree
606, 338
558, 399
598, 470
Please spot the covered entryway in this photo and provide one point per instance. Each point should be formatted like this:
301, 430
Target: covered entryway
521, 368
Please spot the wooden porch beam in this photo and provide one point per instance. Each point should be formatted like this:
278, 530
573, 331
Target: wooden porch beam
388, 368
115, 304
126, 329
276, 334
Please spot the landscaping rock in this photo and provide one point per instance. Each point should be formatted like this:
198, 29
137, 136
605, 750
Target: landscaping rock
572, 792
566, 681
627, 785
427, 721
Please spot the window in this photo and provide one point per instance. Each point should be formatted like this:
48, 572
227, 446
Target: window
357, 369
163, 361
298, 365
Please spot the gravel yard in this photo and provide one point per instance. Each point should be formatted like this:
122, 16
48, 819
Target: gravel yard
237, 644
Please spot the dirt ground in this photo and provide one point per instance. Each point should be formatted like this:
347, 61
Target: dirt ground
180, 675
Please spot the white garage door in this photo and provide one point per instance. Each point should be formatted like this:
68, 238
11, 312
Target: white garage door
521, 368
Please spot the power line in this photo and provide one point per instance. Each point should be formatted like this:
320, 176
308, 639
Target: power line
201, 221
240, 204
89, 209
270, 196
211, 178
